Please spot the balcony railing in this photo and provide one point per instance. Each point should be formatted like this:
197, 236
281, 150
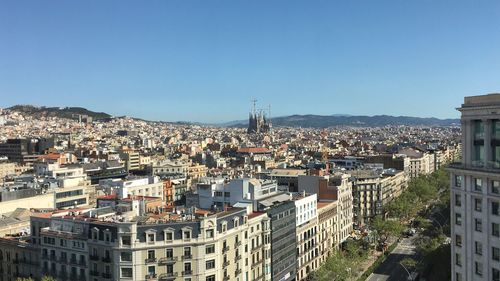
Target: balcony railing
237, 272
187, 257
106, 259
150, 260
168, 276
94, 273
187, 272
225, 249
150, 276
94, 258
225, 264
166, 260
106, 275
237, 258
237, 244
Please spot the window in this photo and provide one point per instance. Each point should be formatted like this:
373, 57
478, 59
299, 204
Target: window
458, 200
478, 248
458, 259
151, 255
210, 249
210, 264
478, 225
495, 274
478, 204
479, 268
209, 233
458, 276
210, 278
478, 185
495, 253
126, 272
495, 208
495, 187
186, 234
495, 229
187, 268
187, 252
126, 256
458, 219
151, 270
169, 236
151, 238
170, 268
169, 253
458, 181
126, 240
458, 240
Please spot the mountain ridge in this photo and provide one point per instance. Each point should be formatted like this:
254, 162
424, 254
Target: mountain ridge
295, 120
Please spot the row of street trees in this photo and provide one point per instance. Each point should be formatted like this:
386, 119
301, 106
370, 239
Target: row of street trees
425, 193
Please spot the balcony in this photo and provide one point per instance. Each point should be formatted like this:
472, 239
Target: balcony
237, 244
150, 276
168, 276
53, 258
257, 248
225, 264
167, 260
225, 249
237, 258
226, 278
237, 272
150, 260
106, 275
257, 263
187, 272
94, 273
106, 259
73, 262
94, 258
82, 263
187, 257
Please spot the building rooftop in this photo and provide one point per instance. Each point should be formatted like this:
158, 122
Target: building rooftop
483, 100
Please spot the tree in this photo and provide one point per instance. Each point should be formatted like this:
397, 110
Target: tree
337, 267
387, 228
48, 278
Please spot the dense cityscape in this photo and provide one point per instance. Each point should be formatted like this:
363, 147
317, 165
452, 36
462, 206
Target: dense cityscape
127, 199
226, 140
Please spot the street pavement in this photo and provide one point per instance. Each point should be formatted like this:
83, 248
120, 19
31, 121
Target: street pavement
390, 269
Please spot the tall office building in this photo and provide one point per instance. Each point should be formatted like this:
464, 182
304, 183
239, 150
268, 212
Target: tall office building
475, 193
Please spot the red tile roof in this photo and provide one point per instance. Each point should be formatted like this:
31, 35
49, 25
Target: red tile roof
253, 150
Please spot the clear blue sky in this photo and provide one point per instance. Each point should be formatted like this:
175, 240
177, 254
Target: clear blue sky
205, 60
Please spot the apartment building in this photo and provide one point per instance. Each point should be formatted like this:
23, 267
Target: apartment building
475, 192
336, 187
18, 258
372, 190
283, 241
327, 229
97, 244
134, 186
307, 233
